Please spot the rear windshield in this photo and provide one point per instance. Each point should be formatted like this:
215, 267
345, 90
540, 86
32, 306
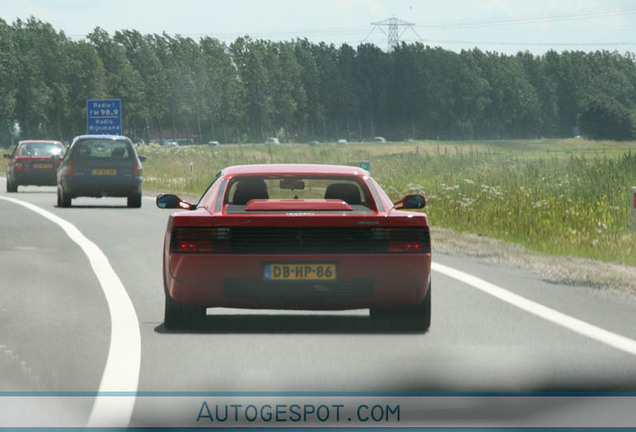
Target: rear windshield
102, 149
243, 189
40, 149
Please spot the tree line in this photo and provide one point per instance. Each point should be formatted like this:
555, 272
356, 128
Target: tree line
300, 91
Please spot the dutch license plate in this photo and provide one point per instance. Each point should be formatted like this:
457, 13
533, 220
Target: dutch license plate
299, 272
104, 172
42, 165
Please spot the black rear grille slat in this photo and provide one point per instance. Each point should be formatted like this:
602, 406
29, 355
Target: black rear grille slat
302, 240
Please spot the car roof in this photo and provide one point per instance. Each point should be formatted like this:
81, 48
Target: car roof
288, 169
39, 142
101, 137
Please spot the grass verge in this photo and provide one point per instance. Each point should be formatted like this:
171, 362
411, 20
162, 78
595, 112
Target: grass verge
562, 197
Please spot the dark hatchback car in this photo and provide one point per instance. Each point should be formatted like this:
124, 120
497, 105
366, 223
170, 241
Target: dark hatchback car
98, 166
33, 162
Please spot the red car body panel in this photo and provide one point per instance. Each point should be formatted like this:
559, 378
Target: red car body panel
366, 278
27, 168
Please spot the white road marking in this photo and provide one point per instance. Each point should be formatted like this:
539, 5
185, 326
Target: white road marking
581, 327
121, 373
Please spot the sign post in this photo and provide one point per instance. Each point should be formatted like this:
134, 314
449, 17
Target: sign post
103, 117
633, 202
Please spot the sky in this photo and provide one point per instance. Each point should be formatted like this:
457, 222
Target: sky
504, 26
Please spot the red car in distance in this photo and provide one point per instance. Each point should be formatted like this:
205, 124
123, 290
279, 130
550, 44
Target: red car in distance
293, 236
34, 162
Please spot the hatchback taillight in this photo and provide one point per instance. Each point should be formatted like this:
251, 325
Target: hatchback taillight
70, 167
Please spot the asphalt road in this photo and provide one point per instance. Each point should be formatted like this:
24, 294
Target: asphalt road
56, 330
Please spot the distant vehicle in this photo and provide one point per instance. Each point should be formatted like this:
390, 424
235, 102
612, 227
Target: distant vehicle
33, 162
213, 143
273, 141
172, 143
342, 142
313, 143
379, 139
293, 236
100, 165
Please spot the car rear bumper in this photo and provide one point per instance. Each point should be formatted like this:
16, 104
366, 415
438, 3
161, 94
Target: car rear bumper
77, 186
363, 281
37, 177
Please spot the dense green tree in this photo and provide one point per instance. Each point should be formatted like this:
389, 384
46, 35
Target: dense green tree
40, 87
8, 82
142, 55
348, 106
288, 94
250, 58
122, 82
83, 68
373, 74
224, 93
312, 111
545, 87
603, 117
298, 90
513, 106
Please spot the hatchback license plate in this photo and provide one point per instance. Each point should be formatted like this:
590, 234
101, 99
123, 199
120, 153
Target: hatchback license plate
299, 272
42, 165
105, 172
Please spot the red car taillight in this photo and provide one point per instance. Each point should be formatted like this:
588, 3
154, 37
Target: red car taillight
406, 246
198, 240
194, 246
70, 168
403, 240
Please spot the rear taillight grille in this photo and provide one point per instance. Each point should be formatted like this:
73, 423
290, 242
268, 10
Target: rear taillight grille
314, 240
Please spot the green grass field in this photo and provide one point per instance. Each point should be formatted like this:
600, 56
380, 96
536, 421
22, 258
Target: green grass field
563, 197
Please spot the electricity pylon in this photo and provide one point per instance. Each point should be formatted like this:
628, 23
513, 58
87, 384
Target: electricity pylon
392, 33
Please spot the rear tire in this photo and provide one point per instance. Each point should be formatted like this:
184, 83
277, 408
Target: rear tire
182, 316
11, 186
134, 201
414, 318
63, 199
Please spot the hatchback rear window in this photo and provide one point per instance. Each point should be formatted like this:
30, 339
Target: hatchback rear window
102, 149
40, 149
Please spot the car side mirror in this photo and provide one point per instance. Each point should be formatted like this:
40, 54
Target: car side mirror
142, 158
7, 156
415, 201
170, 201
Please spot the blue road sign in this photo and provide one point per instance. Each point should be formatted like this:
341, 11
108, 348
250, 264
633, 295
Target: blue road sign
103, 117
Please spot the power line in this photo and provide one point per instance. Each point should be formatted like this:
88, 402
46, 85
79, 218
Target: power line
394, 35
533, 20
